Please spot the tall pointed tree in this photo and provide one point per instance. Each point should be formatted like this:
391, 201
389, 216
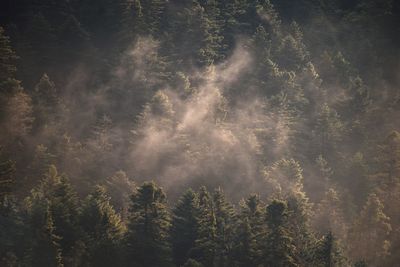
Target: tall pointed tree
205, 247
328, 252
279, 248
45, 249
103, 227
369, 236
64, 208
224, 218
185, 224
147, 240
250, 232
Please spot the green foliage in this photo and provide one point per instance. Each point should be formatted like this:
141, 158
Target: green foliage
205, 248
7, 61
369, 236
328, 252
250, 232
288, 99
7, 179
279, 248
63, 206
147, 240
184, 228
45, 249
225, 229
103, 228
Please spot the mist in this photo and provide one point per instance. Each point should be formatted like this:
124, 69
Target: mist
293, 102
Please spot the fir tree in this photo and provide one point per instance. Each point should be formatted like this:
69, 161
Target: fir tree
369, 236
250, 232
63, 205
205, 248
45, 249
184, 229
7, 62
224, 218
103, 227
329, 253
147, 240
7, 179
279, 247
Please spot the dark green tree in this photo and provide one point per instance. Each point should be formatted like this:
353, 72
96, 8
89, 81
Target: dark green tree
147, 239
184, 229
45, 249
64, 208
225, 229
279, 248
7, 62
205, 249
250, 232
7, 176
103, 227
329, 253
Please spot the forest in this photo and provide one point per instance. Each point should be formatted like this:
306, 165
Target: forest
199, 133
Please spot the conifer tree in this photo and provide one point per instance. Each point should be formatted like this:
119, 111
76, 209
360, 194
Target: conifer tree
328, 252
45, 249
7, 179
387, 175
212, 48
17, 115
64, 208
369, 236
328, 131
279, 248
184, 229
147, 240
205, 249
300, 211
103, 227
45, 101
250, 232
329, 215
7, 62
224, 218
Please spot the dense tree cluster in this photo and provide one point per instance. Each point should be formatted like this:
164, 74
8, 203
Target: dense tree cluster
289, 107
54, 227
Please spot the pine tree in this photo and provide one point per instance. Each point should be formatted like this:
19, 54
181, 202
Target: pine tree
7, 62
63, 205
17, 116
119, 187
250, 232
279, 248
328, 131
153, 12
103, 227
329, 215
211, 50
7, 179
184, 229
45, 101
300, 211
286, 175
13, 238
224, 218
205, 248
369, 236
329, 253
387, 175
45, 249
147, 240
